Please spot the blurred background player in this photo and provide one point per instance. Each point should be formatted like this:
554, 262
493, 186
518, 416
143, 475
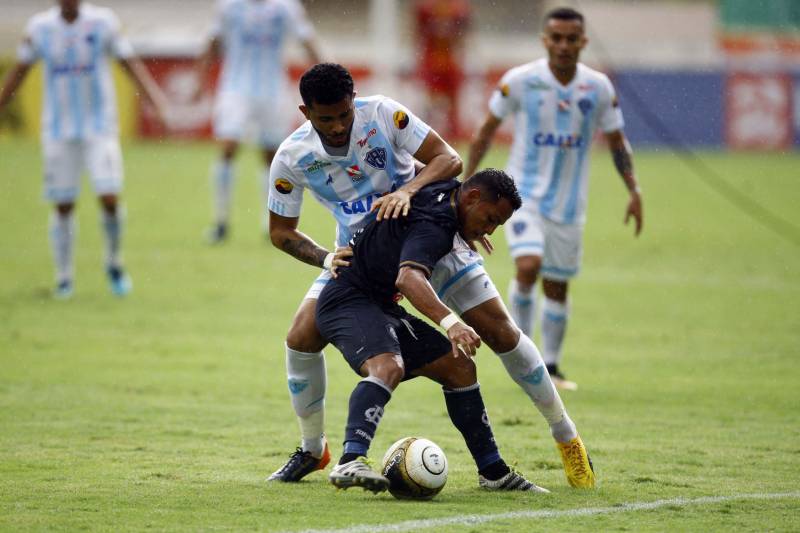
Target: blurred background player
79, 122
251, 36
557, 104
442, 26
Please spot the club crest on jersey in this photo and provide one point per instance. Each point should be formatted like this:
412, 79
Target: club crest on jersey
585, 105
518, 227
504, 90
354, 172
400, 120
283, 186
376, 158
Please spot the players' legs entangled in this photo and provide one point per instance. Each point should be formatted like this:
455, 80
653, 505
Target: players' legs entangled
459, 380
522, 361
63, 229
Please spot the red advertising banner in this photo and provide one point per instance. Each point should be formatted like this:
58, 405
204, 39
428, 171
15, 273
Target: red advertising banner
758, 111
190, 106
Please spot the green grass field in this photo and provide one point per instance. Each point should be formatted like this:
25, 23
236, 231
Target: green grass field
167, 410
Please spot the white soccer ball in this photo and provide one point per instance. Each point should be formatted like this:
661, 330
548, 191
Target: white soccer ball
416, 469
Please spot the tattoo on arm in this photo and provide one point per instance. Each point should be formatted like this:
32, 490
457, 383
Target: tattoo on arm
305, 250
623, 162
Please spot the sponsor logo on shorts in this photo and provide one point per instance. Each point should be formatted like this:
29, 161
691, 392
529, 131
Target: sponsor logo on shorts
283, 186
376, 158
400, 119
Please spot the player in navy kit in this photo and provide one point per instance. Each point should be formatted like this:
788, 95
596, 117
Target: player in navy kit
357, 311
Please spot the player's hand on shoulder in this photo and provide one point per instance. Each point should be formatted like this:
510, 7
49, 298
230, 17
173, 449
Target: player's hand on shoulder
393, 205
340, 259
463, 339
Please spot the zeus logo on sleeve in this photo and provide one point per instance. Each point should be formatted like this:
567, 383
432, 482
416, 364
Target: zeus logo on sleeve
558, 140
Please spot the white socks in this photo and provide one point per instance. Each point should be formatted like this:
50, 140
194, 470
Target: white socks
62, 238
222, 185
522, 303
112, 230
554, 325
307, 384
525, 366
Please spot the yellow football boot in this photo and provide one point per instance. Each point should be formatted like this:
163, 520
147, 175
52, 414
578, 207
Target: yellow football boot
577, 465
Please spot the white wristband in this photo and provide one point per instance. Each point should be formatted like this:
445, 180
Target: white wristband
327, 264
449, 321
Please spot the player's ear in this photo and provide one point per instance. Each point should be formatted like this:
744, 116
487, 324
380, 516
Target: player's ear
473, 196
305, 111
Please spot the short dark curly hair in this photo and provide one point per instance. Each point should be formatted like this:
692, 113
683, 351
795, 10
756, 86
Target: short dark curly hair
326, 83
495, 184
564, 13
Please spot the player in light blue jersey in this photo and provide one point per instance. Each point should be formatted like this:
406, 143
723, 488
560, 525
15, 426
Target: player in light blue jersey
251, 37
79, 122
358, 157
558, 104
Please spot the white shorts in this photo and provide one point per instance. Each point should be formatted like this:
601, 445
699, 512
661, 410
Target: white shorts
459, 279
559, 245
65, 161
239, 117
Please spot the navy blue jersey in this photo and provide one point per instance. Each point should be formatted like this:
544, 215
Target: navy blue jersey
418, 240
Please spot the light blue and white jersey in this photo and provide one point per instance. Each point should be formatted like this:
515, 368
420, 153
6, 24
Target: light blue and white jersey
553, 130
79, 101
254, 34
384, 138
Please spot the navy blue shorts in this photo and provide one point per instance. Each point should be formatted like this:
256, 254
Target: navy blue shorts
361, 328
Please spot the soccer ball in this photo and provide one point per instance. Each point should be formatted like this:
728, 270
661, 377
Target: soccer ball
416, 469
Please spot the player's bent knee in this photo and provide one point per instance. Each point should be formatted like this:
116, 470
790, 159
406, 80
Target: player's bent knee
303, 335
462, 372
502, 337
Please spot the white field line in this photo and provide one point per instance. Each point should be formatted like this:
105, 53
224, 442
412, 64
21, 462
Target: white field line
471, 520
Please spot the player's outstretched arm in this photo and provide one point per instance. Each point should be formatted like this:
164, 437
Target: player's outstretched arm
284, 234
202, 65
12, 81
412, 283
621, 152
146, 85
480, 145
441, 162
